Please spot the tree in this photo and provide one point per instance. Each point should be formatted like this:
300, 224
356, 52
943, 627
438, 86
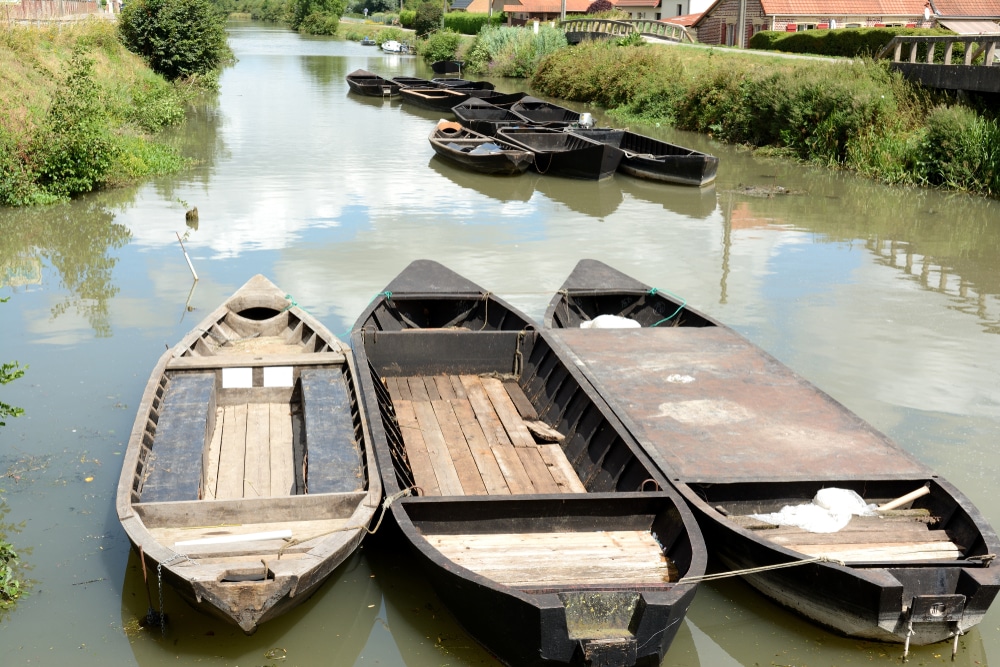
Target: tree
178, 38
316, 17
428, 19
598, 6
8, 373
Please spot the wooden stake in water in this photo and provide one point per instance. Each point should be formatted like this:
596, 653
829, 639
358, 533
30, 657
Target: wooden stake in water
184, 250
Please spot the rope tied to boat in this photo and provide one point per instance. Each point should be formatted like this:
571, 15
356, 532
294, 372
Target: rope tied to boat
389, 500
653, 291
757, 570
292, 303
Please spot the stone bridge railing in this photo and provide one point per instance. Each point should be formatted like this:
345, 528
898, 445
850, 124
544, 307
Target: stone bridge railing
598, 28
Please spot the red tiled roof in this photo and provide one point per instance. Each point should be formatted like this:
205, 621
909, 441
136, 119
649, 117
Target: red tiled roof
967, 7
844, 7
548, 6
685, 20
636, 3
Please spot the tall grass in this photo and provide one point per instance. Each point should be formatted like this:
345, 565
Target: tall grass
512, 52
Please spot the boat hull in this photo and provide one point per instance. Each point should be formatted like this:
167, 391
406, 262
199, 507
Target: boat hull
654, 160
565, 154
476, 152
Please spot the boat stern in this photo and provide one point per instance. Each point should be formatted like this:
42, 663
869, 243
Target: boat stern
246, 598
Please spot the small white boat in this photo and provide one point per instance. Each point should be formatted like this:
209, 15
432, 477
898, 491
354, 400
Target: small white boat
393, 46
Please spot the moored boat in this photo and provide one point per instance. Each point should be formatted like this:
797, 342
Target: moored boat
538, 522
540, 111
436, 99
249, 475
565, 154
363, 82
484, 117
447, 66
742, 437
478, 152
655, 160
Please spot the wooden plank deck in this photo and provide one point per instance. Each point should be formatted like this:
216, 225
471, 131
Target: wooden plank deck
250, 453
865, 538
563, 558
465, 435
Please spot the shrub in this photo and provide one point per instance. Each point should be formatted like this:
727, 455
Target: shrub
316, 17
961, 150
73, 150
428, 18
598, 6
407, 18
513, 52
612, 77
470, 24
847, 42
442, 45
177, 38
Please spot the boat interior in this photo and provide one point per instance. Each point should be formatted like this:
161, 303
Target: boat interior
931, 528
568, 310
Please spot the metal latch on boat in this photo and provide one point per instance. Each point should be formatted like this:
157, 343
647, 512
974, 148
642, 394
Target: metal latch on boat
935, 609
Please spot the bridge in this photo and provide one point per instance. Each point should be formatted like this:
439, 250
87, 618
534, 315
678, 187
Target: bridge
578, 30
924, 64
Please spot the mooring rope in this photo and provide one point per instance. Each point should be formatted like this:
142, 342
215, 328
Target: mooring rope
389, 500
683, 301
756, 570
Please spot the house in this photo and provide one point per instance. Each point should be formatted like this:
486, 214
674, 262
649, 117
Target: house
718, 23
478, 6
653, 9
544, 10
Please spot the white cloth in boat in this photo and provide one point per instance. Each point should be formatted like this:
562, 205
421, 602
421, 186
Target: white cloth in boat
830, 510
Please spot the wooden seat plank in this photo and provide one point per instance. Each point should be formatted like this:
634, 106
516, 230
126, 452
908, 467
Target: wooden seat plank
516, 477
416, 449
561, 469
458, 448
232, 457
437, 449
884, 552
486, 462
282, 457
507, 412
334, 461
211, 465
257, 469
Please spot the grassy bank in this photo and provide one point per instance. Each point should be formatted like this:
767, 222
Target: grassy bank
859, 116
78, 112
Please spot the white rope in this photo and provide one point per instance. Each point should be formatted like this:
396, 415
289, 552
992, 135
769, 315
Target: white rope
756, 570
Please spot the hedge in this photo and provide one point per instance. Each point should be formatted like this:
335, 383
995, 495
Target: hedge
847, 42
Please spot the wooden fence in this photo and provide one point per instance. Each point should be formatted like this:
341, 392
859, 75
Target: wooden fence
46, 10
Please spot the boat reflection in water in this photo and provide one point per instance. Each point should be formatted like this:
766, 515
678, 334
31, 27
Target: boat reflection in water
696, 203
515, 188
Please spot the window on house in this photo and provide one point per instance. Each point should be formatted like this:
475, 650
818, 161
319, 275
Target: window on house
805, 26
730, 34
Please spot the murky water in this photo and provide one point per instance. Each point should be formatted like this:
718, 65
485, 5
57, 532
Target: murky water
885, 298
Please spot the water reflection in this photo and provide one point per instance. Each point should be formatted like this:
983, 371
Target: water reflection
325, 72
520, 187
696, 203
597, 199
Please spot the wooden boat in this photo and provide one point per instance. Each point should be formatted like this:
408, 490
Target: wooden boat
395, 46
363, 82
565, 154
740, 434
540, 111
436, 99
478, 152
447, 66
368, 40
484, 117
463, 83
545, 531
246, 477
414, 82
656, 160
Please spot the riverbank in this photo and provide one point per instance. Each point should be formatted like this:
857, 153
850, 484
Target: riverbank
78, 112
852, 115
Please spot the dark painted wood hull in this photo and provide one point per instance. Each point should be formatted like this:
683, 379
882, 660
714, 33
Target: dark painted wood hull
468, 148
484, 117
447, 66
437, 324
655, 160
565, 154
366, 83
435, 99
734, 455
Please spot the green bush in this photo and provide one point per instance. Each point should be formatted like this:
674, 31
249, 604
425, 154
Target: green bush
470, 24
846, 42
441, 45
512, 52
177, 38
316, 17
961, 150
73, 151
407, 18
428, 18
388, 34
613, 75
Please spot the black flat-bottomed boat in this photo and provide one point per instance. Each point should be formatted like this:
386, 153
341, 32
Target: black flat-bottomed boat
478, 152
741, 437
655, 160
363, 82
539, 523
560, 153
436, 99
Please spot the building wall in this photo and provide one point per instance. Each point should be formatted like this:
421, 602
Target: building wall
32, 10
718, 27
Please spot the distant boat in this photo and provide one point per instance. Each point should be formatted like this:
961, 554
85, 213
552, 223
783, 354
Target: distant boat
656, 160
368, 41
249, 474
363, 82
561, 153
478, 152
533, 515
447, 66
394, 46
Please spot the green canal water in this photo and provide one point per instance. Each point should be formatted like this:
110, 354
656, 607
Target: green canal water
885, 298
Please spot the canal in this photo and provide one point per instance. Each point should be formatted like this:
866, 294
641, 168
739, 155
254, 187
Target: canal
886, 298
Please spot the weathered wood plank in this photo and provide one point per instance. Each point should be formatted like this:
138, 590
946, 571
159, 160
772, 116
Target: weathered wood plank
520, 400
333, 452
437, 449
458, 448
282, 457
885, 552
416, 449
561, 470
211, 480
257, 469
255, 360
445, 387
507, 412
430, 384
539, 473
418, 390
486, 462
848, 536
232, 457
513, 470
392, 386
456, 383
